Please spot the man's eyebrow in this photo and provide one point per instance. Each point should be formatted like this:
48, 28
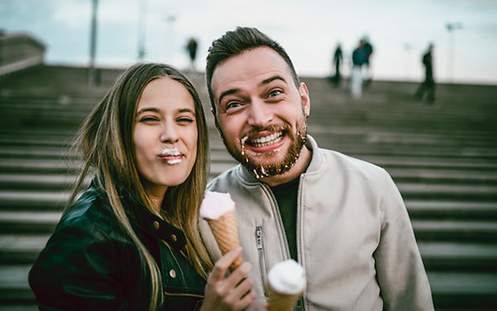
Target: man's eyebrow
271, 79
263, 82
228, 92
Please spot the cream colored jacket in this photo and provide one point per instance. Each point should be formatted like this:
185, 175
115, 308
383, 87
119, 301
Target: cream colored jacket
354, 237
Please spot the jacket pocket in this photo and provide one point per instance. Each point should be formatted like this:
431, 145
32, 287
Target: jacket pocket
259, 241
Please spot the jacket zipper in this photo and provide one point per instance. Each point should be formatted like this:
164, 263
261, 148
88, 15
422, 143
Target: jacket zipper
259, 240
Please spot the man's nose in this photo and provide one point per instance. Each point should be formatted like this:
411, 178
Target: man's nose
260, 115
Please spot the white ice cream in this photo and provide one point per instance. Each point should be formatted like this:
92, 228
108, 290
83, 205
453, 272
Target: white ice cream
216, 204
287, 277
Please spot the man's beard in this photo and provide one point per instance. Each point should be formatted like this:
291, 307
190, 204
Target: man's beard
268, 168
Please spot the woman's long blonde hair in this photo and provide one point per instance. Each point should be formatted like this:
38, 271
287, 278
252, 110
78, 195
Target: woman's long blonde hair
106, 143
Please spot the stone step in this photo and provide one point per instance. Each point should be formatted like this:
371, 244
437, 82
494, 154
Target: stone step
456, 256
456, 230
43, 180
461, 210
28, 222
484, 231
371, 135
448, 191
460, 290
56, 166
464, 290
21, 248
423, 200
437, 256
33, 200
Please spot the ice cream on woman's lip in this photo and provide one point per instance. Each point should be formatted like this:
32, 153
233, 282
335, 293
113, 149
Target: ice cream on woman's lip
219, 211
171, 155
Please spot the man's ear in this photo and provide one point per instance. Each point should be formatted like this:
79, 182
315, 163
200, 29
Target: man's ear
305, 99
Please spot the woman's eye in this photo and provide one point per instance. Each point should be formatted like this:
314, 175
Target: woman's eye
184, 120
149, 119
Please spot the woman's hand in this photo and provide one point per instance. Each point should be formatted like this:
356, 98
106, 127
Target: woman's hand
232, 292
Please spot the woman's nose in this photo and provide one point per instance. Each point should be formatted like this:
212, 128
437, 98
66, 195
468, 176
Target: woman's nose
169, 133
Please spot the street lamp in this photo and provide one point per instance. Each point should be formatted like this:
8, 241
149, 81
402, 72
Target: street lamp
451, 28
408, 49
93, 44
142, 30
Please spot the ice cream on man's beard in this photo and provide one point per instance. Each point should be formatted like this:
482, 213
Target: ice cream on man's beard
286, 284
219, 211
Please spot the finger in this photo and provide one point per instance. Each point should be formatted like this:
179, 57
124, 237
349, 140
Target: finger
247, 300
238, 275
242, 289
223, 264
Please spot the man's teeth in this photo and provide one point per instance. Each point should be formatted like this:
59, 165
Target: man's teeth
266, 140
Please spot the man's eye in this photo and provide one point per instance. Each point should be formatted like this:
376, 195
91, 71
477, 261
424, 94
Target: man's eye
232, 105
275, 93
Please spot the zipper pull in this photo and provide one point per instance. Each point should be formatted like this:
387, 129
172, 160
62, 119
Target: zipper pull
258, 237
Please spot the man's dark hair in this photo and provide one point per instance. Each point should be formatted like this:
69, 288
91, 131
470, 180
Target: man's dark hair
235, 42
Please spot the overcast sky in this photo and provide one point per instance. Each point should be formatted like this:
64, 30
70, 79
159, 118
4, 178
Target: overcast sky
399, 30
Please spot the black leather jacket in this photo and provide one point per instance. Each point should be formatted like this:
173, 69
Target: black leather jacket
90, 264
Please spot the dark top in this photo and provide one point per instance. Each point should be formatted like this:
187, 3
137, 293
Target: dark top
427, 62
286, 196
89, 263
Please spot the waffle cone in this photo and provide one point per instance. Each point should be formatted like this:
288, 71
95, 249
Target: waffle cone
281, 302
225, 232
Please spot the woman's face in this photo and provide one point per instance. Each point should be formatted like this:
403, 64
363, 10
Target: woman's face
165, 135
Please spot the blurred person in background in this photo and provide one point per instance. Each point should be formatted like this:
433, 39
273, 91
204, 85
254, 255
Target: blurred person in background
336, 61
191, 48
427, 88
368, 53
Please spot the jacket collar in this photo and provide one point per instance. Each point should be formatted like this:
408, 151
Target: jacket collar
314, 165
157, 227
141, 218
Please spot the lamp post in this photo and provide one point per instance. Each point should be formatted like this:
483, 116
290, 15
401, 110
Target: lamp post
408, 49
142, 30
451, 28
93, 44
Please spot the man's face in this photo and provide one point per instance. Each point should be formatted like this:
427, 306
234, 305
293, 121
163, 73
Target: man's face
260, 112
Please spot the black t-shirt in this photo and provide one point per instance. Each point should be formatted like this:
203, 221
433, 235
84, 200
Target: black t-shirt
286, 196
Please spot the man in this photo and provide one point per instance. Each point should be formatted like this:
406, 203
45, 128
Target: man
341, 218
428, 86
337, 63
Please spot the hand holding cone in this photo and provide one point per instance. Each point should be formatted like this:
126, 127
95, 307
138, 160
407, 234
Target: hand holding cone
219, 211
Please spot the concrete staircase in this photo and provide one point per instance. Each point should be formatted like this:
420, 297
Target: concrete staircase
442, 157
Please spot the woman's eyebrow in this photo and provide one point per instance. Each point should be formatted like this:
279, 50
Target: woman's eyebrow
147, 109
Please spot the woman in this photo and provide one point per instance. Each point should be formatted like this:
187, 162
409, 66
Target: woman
130, 241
